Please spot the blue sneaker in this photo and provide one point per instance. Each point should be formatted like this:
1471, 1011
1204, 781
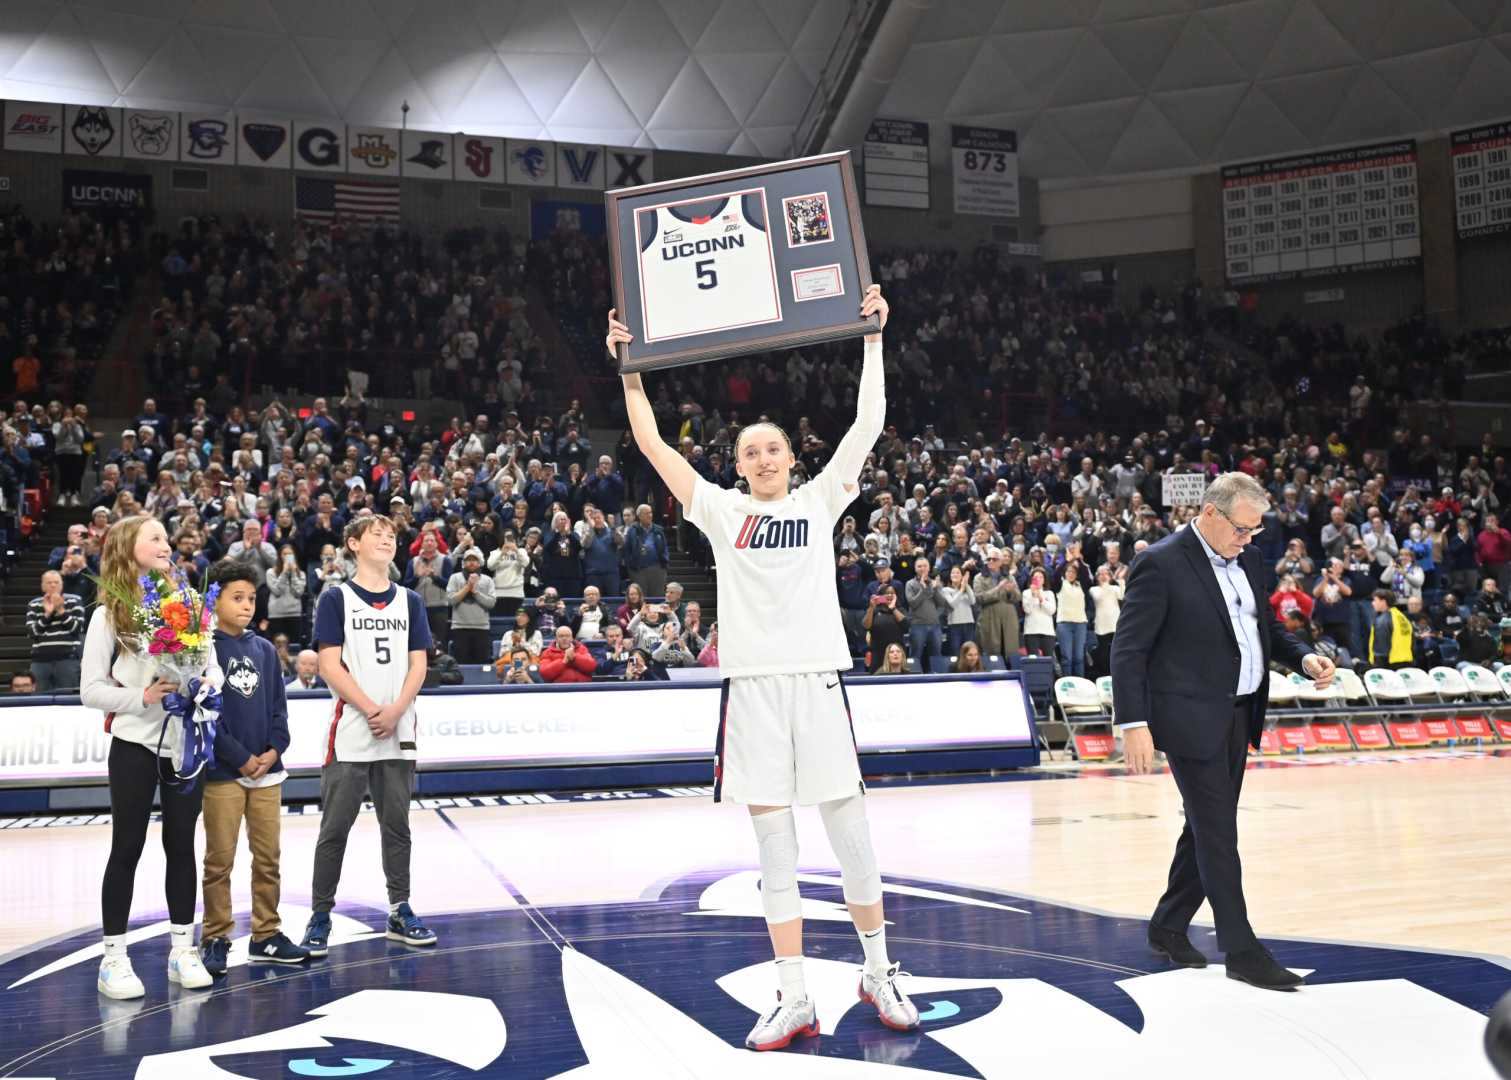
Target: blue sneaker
278, 949
404, 925
213, 952
317, 934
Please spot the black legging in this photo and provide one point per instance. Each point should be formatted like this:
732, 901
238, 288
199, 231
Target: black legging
70, 473
134, 779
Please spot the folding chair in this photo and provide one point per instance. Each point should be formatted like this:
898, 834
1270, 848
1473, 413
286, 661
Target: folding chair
1451, 686
1388, 688
1291, 721
1080, 706
1327, 732
1486, 691
1362, 715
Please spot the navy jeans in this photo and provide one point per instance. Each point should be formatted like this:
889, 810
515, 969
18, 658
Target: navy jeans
925, 641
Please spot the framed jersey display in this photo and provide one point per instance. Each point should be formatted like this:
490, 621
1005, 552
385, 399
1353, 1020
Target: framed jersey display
756, 259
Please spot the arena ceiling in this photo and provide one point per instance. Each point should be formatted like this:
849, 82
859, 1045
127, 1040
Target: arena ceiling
1094, 87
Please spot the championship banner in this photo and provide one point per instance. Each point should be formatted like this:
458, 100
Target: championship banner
107, 192
985, 170
92, 130
1325, 213
151, 135
559, 725
1482, 179
33, 125
896, 162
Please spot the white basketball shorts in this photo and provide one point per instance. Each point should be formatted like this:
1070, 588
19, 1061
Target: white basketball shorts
784, 740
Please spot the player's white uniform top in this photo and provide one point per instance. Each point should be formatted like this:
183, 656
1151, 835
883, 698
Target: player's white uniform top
715, 271
376, 637
778, 601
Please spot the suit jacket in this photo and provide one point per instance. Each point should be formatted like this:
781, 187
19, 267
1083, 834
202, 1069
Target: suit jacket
1175, 659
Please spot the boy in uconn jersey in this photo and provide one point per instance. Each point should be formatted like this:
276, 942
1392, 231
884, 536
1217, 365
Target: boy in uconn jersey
372, 636
784, 726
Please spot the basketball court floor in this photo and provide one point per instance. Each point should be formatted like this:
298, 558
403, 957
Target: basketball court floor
620, 935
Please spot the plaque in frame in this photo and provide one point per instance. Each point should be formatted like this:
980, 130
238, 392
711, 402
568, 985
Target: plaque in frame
751, 260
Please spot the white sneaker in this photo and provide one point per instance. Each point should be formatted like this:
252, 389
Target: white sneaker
892, 1005
118, 979
188, 970
789, 1020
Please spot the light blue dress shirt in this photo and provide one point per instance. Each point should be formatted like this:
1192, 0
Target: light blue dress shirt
1243, 612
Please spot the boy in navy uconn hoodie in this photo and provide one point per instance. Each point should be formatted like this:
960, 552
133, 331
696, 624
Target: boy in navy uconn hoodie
243, 781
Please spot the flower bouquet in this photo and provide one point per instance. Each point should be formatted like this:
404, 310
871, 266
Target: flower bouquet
173, 630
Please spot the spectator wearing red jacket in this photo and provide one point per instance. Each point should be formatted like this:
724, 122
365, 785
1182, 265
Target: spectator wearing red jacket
1494, 545
567, 660
1288, 597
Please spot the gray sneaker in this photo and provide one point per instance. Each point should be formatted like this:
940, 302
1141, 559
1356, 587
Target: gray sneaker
892, 1005
789, 1020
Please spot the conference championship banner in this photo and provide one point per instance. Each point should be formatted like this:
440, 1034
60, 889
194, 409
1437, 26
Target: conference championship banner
985, 170
896, 164
559, 726
1325, 213
1482, 179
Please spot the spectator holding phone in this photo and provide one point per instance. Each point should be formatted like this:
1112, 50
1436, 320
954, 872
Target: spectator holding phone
470, 592
644, 630
515, 667
884, 623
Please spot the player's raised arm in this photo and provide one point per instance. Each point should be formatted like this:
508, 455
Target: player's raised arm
870, 402
674, 470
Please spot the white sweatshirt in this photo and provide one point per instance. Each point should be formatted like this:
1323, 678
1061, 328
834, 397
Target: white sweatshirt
116, 690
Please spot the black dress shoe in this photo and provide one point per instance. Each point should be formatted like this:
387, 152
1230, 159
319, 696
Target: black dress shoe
1175, 947
1258, 968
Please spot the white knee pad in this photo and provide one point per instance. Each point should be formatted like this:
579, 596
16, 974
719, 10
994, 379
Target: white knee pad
850, 836
776, 833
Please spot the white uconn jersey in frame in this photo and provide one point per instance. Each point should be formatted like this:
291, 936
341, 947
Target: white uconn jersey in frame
778, 599
376, 652
706, 265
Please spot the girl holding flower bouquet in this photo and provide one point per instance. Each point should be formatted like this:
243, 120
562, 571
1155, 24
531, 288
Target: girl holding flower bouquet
129, 654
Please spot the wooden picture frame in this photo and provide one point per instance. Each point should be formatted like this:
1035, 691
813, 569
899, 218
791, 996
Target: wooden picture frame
814, 244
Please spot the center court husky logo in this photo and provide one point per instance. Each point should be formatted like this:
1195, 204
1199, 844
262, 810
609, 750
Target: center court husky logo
618, 991
532, 159
241, 676
151, 133
93, 129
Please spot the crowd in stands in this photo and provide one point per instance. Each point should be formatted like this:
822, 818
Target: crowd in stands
546, 557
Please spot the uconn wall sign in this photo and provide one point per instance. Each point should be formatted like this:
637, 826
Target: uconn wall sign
115, 192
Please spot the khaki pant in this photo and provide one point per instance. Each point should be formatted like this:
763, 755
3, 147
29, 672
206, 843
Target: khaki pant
226, 804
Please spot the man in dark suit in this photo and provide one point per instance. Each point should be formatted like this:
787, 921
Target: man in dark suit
1190, 660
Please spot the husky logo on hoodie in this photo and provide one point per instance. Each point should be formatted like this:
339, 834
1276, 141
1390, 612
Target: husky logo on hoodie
241, 676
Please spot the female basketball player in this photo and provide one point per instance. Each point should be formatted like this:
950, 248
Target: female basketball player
119, 681
784, 726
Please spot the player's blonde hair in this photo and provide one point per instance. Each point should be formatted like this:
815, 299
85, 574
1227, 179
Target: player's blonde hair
762, 424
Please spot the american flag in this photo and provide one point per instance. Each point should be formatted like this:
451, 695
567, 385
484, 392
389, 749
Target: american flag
355, 200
